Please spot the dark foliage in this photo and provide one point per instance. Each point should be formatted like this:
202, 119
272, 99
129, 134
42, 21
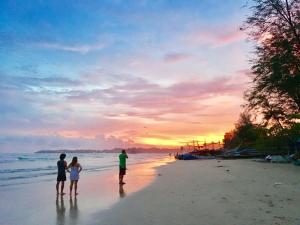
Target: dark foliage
275, 93
274, 97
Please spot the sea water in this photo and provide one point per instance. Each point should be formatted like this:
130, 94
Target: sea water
18, 168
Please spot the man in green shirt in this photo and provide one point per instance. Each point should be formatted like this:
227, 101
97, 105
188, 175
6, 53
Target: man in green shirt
122, 158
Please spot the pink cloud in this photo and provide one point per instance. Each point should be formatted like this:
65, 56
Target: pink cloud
147, 100
120, 110
215, 37
176, 57
230, 37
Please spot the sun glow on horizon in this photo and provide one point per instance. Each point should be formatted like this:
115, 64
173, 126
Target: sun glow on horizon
159, 142
182, 141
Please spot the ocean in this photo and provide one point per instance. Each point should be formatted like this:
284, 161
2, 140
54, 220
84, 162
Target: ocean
18, 168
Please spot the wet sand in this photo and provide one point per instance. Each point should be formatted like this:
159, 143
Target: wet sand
213, 192
36, 204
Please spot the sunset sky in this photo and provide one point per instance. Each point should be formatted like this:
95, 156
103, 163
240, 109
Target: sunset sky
116, 73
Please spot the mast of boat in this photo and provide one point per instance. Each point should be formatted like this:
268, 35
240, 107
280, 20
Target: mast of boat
188, 146
194, 145
198, 146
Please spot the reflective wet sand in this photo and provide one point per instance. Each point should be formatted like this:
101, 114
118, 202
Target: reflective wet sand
35, 204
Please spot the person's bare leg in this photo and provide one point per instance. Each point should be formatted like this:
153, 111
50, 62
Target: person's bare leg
57, 187
62, 188
76, 193
71, 187
121, 179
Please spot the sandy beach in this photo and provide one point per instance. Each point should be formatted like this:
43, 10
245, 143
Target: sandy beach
213, 192
197, 192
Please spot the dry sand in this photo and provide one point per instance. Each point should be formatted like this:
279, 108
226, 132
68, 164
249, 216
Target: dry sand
213, 192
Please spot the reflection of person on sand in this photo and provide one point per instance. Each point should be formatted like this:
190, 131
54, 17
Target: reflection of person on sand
61, 174
122, 158
73, 213
121, 191
74, 174
60, 211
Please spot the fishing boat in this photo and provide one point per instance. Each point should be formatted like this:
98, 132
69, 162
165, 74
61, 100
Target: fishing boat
194, 150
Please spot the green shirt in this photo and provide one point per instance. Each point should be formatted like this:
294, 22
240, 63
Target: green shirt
122, 158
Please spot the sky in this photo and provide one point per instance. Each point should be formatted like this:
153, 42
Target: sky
116, 73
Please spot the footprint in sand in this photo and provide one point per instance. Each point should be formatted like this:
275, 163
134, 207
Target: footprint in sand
270, 203
224, 200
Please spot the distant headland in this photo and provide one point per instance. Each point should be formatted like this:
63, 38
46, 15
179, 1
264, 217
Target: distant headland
115, 150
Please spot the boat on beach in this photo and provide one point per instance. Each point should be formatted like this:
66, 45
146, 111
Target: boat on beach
243, 153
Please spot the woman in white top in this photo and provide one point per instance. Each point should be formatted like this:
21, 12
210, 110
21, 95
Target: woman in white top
74, 174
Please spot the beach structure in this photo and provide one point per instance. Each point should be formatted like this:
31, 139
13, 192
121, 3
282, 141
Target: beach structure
196, 150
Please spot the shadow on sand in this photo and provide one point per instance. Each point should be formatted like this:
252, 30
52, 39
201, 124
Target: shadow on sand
121, 191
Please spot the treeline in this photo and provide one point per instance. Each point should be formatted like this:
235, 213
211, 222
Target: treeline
270, 121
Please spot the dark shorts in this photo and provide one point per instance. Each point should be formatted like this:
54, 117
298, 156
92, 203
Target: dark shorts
61, 177
122, 171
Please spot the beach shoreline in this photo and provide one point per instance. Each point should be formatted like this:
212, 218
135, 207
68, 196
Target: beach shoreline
213, 192
37, 203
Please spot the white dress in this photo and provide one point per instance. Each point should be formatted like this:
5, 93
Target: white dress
74, 174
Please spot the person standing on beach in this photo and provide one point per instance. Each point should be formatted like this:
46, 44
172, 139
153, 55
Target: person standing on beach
122, 165
61, 174
74, 174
